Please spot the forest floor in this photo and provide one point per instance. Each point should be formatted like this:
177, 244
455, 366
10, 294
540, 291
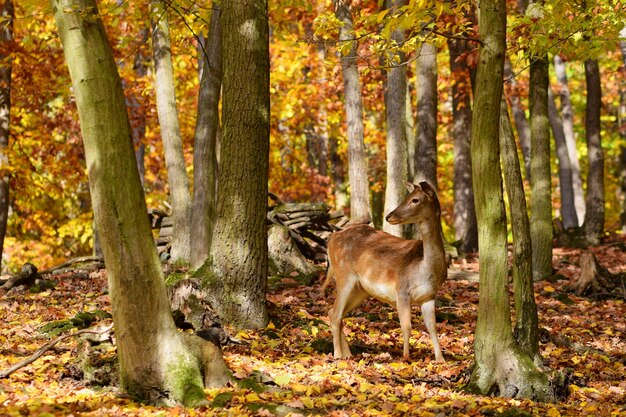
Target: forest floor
284, 368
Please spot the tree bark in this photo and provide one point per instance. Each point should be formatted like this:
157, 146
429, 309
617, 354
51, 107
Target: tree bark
567, 115
526, 318
6, 37
236, 271
170, 132
357, 163
519, 117
137, 109
540, 177
622, 130
501, 366
594, 215
568, 208
426, 125
157, 363
395, 111
205, 171
466, 231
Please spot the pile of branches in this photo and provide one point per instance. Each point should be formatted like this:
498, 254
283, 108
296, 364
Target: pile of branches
309, 225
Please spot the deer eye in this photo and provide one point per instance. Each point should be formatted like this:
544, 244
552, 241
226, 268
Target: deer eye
415, 200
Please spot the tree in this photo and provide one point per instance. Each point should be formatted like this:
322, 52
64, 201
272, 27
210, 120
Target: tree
567, 116
466, 231
519, 116
395, 111
236, 272
594, 215
540, 178
426, 125
501, 367
568, 209
205, 170
526, 318
357, 163
170, 132
157, 362
6, 37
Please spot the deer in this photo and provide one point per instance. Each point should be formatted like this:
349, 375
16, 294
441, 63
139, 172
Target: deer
364, 261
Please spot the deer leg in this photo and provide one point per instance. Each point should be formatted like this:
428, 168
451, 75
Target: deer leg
428, 314
404, 314
348, 296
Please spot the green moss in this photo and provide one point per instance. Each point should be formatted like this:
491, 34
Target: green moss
174, 277
184, 381
41, 285
221, 400
55, 328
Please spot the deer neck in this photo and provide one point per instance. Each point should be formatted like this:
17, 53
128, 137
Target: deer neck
431, 235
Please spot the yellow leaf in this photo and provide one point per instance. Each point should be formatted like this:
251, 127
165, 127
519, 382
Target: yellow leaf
553, 412
282, 379
548, 288
308, 402
252, 397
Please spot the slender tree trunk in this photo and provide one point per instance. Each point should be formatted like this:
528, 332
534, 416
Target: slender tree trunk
622, 130
410, 134
426, 125
236, 272
395, 111
466, 230
567, 115
594, 215
568, 209
519, 116
357, 162
157, 363
540, 177
170, 132
205, 171
501, 366
526, 318
137, 109
338, 175
6, 37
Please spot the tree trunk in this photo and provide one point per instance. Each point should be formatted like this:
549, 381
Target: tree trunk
338, 175
236, 272
466, 231
567, 115
357, 162
501, 366
157, 363
519, 117
426, 125
395, 110
594, 215
622, 130
6, 37
205, 147
568, 209
137, 109
170, 132
540, 177
526, 318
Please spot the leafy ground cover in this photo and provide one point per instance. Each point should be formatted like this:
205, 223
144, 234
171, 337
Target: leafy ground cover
288, 368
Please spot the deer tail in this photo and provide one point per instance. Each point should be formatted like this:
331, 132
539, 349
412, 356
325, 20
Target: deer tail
329, 276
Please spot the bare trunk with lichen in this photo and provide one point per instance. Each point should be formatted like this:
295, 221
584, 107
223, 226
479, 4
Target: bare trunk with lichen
6, 36
158, 364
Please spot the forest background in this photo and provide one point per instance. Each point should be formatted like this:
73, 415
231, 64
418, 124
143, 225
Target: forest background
50, 218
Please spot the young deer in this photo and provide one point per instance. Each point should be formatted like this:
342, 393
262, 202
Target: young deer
365, 261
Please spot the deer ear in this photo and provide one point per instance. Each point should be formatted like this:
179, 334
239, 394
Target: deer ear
428, 189
409, 186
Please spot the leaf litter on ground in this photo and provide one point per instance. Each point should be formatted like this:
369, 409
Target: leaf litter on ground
288, 369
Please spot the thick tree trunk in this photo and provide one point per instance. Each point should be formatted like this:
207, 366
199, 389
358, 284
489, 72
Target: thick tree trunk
157, 363
170, 132
236, 272
501, 366
519, 117
6, 36
395, 111
594, 215
205, 171
567, 115
568, 209
426, 125
526, 318
540, 177
357, 162
466, 231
